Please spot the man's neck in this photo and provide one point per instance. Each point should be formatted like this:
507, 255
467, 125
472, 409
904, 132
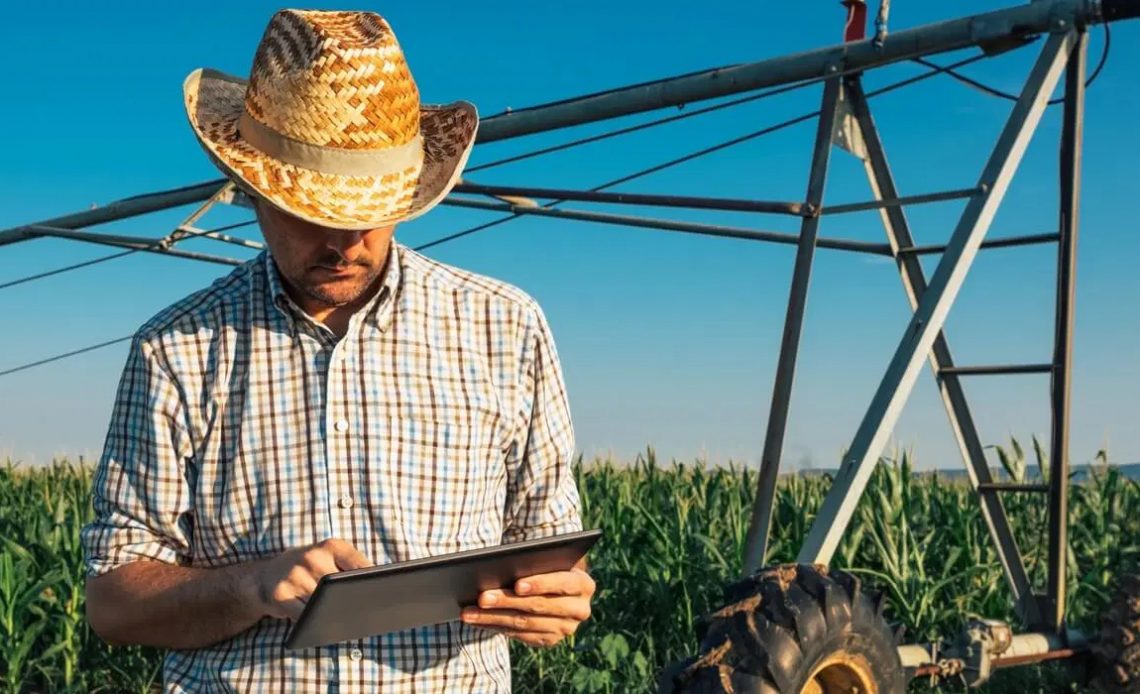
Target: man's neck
336, 318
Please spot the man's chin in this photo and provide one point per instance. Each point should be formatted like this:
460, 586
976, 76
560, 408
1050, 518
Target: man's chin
333, 295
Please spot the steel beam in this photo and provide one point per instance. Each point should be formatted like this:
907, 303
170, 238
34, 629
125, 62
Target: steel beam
948, 369
133, 242
122, 209
901, 201
1022, 21
187, 232
698, 203
1071, 141
941, 361
756, 543
933, 306
671, 225
795, 209
1008, 242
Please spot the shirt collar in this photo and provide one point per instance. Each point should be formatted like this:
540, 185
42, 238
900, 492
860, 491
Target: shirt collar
377, 313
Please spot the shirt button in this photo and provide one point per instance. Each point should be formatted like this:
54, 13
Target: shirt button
345, 502
341, 425
355, 654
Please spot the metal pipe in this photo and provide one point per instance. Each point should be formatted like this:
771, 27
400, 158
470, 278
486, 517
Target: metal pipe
1020, 21
950, 388
933, 307
998, 369
185, 232
1012, 487
699, 203
756, 542
132, 242
670, 225
992, 243
899, 202
1024, 649
121, 209
707, 203
1070, 173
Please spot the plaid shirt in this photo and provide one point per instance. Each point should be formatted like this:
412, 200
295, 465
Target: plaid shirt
243, 428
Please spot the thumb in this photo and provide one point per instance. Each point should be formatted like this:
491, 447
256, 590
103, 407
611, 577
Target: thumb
348, 557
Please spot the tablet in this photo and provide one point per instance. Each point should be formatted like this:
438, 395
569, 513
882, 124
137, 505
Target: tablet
379, 599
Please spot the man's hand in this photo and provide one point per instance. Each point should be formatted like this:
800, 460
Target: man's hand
281, 586
540, 611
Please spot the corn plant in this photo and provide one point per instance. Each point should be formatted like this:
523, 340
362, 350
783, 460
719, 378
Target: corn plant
673, 538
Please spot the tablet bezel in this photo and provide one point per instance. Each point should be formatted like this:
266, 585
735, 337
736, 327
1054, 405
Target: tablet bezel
586, 539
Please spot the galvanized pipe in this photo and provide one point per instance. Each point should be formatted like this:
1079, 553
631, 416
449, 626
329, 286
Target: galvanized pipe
902, 201
121, 209
756, 541
1021, 21
671, 225
996, 369
133, 242
705, 203
950, 388
698, 203
1009, 242
930, 315
1024, 649
1070, 174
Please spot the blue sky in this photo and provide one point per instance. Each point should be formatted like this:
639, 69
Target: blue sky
666, 339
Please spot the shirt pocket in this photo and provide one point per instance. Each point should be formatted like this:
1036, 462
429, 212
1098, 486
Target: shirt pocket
445, 487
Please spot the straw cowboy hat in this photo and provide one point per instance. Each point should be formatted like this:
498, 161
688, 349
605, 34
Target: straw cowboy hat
329, 127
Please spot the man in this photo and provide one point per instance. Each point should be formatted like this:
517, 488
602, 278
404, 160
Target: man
339, 402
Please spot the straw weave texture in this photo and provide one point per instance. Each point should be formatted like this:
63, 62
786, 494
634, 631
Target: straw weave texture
335, 80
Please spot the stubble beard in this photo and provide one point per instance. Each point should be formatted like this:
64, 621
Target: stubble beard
342, 293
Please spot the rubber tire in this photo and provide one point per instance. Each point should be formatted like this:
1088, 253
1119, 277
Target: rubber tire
779, 626
1117, 651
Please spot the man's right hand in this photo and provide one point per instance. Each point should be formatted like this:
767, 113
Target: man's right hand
282, 585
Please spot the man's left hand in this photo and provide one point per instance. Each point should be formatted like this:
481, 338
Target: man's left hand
540, 611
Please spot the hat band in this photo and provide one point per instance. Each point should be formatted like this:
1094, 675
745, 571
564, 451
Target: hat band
330, 160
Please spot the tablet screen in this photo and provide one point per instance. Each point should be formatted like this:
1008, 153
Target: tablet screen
392, 597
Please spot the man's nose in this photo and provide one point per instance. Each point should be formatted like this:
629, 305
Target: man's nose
341, 241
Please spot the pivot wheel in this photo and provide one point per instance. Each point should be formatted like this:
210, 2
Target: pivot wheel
795, 629
1117, 650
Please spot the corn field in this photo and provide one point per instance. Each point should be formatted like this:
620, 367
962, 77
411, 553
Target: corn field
673, 537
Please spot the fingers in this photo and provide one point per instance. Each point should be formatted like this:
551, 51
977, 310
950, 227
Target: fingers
574, 607
537, 639
345, 555
572, 582
517, 623
286, 582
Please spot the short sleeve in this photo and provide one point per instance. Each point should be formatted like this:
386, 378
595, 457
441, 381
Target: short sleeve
141, 495
542, 493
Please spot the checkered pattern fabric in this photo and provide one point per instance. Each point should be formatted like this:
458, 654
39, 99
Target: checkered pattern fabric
243, 428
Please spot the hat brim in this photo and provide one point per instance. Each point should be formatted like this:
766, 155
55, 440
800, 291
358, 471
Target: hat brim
214, 102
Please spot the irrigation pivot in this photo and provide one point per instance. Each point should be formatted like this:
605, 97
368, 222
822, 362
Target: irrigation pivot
803, 628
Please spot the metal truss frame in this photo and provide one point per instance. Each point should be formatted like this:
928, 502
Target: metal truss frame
839, 70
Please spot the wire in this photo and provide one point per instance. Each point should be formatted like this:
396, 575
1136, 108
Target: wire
65, 356
113, 256
640, 126
69, 268
935, 70
1013, 97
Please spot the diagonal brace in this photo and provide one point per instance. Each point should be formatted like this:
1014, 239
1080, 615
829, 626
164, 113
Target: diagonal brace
949, 386
934, 305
